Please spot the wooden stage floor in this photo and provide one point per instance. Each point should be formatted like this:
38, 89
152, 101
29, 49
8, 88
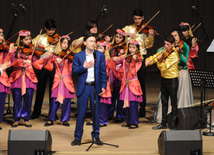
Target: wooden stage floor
142, 140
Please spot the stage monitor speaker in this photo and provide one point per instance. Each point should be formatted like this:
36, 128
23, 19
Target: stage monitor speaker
183, 142
29, 142
188, 117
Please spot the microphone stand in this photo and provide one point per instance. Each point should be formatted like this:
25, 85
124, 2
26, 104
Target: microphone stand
14, 7
96, 102
102, 12
206, 38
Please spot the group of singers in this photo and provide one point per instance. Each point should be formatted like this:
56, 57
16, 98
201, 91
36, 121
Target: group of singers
116, 70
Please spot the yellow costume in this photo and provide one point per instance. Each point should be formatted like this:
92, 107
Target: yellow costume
169, 66
44, 41
144, 40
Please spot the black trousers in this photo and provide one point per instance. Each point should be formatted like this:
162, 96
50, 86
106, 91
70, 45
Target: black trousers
141, 74
42, 76
169, 88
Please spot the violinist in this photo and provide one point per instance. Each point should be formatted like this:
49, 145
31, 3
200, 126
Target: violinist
90, 27
106, 97
118, 48
63, 88
169, 83
184, 94
44, 74
4, 82
146, 40
23, 80
130, 90
191, 41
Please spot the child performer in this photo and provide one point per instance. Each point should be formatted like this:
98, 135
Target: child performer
167, 59
191, 41
117, 50
63, 88
105, 98
23, 79
185, 94
130, 91
42, 75
90, 27
4, 81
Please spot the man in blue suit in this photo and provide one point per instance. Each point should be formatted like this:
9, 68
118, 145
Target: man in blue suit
83, 66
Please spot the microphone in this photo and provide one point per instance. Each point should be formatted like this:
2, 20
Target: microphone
95, 56
104, 10
195, 8
22, 7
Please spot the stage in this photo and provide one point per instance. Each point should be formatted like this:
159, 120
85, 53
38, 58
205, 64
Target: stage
142, 140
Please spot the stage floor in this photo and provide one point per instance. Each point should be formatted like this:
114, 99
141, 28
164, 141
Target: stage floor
142, 140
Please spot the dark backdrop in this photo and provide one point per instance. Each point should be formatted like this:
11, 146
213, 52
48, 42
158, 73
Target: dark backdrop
71, 15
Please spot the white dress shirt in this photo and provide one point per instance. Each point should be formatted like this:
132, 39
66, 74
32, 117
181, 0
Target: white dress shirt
90, 75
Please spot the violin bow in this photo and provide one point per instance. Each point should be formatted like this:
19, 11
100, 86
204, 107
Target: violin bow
196, 27
160, 52
148, 21
104, 31
58, 39
12, 36
37, 42
80, 42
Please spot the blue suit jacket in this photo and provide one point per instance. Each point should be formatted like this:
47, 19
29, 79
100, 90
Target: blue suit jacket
78, 69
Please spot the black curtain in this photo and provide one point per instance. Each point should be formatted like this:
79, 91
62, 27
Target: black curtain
71, 15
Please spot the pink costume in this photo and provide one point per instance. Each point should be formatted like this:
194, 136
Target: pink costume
63, 86
130, 88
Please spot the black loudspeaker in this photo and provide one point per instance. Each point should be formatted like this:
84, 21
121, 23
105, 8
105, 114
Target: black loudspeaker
188, 117
29, 142
183, 142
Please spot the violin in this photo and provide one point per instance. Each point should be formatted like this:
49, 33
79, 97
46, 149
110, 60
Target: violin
165, 55
145, 28
38, 50
70, 56
129, 57
180, 45
5, 45
53, 39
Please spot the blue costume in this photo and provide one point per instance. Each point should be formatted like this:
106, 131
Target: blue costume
84, 90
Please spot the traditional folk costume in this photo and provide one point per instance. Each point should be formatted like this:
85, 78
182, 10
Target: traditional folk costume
105, 99
78, 48
4, 81
169, 82
130, 90
115, 83
145, 42
23, 82
184, 94
193, 51
63, 88
43, 75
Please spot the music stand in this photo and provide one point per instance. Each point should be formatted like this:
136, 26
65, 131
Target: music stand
202, 79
